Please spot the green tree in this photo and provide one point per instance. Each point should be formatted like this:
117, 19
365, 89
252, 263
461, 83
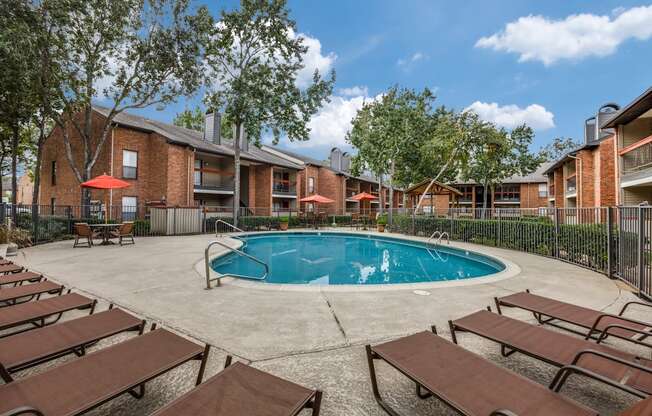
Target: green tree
500, 154
558, 148
131, 54
254, 58
190, 119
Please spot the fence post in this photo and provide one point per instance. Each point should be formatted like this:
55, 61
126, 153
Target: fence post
174, 221
498, 230
3, 213
556, 252
413, 231
610, 241
641, 245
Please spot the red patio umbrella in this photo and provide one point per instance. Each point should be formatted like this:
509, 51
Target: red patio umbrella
105, 182
364, 196
318, 199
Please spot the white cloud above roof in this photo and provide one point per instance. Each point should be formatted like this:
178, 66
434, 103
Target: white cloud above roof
510, 116
578, 36
313, 59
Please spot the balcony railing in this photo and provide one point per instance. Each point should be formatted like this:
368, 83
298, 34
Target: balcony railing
351, 192
221, 187
639, 158
284, 188
571, 185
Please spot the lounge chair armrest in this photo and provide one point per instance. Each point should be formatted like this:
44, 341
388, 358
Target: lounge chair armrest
610, 357
644, 334
618, 317
503, 412
23, 410
622, 311
563, 373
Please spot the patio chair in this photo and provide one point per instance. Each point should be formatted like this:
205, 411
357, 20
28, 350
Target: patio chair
25, 293
124, 232
18, 279
547, 311
4, 262
11, 268
41, 313
626, 371
465, 381
31, 348
241, 390
642, 408
83, 231
83, 384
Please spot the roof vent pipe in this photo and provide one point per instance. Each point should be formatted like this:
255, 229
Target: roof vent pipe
212, 124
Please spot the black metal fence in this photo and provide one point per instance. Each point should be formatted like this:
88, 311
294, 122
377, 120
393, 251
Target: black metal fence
614, 241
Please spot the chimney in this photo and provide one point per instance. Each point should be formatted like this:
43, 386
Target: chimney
212, 123
346, 162
244, 140
336, 159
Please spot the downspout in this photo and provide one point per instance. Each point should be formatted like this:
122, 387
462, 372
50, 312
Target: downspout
111, 166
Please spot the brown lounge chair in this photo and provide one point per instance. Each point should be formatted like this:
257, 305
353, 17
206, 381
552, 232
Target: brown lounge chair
241, 390
31, 348
25, 293
10, 268
4, 262
465, 381
124, 232
623, 370
83, 384
83, 231
41, 313
548, 311
642, 408
17, 279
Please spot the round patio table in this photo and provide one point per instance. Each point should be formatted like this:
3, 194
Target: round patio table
105, 230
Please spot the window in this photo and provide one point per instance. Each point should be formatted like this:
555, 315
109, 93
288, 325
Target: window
129, 208
467, 192
53, 173
543, 190
508, 193
129, 164
311, 185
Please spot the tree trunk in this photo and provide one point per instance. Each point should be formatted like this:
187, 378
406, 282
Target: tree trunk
391, 193
484, 200
37, 179
381, 195
236, 179
14, 170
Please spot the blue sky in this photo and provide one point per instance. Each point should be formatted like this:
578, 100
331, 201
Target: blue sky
551, 63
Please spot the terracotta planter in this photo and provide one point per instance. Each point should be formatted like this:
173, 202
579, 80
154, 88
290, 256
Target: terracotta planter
381, 228
283, 226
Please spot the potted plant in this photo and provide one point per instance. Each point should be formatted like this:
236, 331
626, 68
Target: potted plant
381, 222
283, 223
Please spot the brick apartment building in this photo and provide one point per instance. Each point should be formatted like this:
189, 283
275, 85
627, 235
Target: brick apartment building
333, 179
530, 191
585, 176
168, 164
632, 126
163, 162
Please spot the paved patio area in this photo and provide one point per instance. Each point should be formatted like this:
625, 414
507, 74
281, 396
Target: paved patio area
313, 338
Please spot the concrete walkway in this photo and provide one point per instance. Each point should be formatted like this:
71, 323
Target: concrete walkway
313, 338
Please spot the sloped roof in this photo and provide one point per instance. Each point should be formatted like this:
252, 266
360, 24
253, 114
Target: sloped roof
537, 176
631, 111
192, 138
421, 187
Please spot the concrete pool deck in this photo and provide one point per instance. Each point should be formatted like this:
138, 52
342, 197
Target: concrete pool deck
312, 337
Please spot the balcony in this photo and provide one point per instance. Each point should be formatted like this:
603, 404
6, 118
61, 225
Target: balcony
225, 187
284, 189
637, 162
351, 192
571, 186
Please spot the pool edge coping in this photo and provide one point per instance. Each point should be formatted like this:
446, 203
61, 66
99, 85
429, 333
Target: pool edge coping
511, 269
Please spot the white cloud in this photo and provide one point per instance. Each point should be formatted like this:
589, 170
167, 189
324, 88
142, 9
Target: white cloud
313, 59
537, 38
510, 116
407, 62
353, 91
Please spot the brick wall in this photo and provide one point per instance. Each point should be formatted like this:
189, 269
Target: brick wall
607, 178
559, 187
530, 196
331, 185
263, 182
585, 181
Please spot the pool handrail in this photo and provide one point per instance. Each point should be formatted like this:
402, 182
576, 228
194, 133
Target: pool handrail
227, 224
439, 235
234, 250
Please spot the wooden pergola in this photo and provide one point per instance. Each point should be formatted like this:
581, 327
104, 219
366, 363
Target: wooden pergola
415, 192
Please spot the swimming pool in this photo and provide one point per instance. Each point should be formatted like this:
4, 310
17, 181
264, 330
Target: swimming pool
319, 258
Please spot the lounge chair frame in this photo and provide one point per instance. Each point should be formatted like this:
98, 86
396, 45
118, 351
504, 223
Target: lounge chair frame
17, 300
564, 371
13, 279
42, 321
135, 390
371, 356
593, 332
78, 349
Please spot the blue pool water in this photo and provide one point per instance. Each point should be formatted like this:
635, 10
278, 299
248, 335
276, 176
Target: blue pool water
347, 259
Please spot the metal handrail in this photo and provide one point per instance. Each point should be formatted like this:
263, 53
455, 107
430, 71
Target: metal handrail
234, 250
226, 223
440, 235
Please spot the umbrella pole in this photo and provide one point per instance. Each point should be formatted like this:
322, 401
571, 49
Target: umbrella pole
107, 209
